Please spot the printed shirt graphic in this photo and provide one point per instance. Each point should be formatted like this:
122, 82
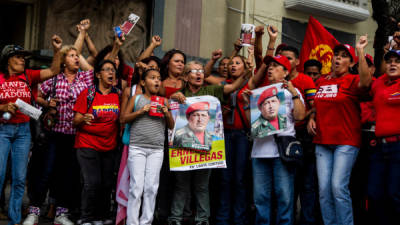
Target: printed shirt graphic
101, 135
16, 87
338, 111
386, 100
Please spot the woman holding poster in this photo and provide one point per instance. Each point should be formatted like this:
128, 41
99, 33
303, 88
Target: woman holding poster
337, 129
274, 110
194, 75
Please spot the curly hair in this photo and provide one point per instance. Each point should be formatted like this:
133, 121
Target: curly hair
166, 59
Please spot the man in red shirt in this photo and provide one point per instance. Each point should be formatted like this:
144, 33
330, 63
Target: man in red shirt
305, 181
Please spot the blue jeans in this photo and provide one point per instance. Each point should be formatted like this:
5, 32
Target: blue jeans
232, 187
15, 138
334, 165
384, 184
271, 175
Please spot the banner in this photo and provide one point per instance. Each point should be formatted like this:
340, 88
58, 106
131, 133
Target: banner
197, 141
268, 111
318, 44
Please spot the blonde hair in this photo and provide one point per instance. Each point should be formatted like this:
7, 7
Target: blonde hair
63, 53
187, 69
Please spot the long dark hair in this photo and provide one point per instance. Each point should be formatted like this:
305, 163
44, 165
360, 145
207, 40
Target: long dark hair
165, 61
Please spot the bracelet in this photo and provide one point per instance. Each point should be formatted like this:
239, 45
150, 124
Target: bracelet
295, 97
271, 48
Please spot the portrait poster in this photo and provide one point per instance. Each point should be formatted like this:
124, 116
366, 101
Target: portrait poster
268, 111
197, 141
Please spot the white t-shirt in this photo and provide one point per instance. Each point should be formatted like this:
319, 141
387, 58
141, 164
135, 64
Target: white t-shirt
266, 147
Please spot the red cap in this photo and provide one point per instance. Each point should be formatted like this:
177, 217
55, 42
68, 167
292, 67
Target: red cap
348, 48
280, 59
267, 93
203, 106
369, 58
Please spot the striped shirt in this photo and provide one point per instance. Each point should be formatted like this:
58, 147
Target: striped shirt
147, 131
66, 93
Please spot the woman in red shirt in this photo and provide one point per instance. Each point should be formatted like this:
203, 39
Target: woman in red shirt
96, 118
337, 129
15, 136
384, 173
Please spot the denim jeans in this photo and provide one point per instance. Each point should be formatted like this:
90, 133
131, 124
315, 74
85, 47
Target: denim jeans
183, 185
15, 138
384, 184
232, 187
334, 165
272, 177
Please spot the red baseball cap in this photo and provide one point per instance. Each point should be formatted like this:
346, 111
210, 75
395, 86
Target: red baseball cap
280, 59
369, 58
198, 106
267, 93
347, 48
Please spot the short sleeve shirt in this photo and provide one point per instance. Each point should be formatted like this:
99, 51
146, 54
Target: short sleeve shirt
266, 147
386, 100
101, 135
16, 87
67, 93
338, 111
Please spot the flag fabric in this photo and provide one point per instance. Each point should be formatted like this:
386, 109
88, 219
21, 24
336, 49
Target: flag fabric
318, 44
122, 192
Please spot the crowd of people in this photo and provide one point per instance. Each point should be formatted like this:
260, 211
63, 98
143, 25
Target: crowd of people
342, 119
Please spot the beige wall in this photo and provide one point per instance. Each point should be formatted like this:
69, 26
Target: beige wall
221, 26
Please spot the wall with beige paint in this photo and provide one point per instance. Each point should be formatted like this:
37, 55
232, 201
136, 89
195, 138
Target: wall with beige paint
220, 25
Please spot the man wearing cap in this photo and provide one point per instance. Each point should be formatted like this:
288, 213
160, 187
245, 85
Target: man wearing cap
194, 134
269, 120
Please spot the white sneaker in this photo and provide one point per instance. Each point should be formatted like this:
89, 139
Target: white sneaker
31, 219
62, 220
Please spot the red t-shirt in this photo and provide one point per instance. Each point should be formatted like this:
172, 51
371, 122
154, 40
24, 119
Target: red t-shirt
338, 111
307, 89
16, 87
101, 135
237, 122
386, 99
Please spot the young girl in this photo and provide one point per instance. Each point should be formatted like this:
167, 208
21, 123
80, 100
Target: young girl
145, 148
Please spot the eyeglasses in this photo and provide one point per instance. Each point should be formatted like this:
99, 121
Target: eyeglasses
109, 70
197, 71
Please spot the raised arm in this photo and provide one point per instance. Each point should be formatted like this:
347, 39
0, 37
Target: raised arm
258, 48
118, 42
45, 74
215, 55
236, 48
155, 42
273, 34
365, 76
92, 49
229, 88
82, 27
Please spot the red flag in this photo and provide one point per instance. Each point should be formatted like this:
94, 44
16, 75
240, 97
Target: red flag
318, 44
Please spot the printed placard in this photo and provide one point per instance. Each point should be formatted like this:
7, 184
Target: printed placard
197, 141
268, 111
247, 33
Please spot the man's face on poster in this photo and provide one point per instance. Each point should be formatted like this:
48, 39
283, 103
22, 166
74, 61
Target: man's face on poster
198, 121
270, 107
